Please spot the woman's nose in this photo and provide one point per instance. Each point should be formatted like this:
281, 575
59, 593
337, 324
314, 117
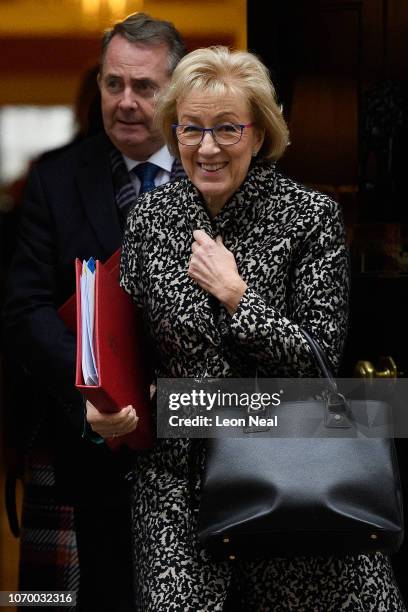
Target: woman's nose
209, 144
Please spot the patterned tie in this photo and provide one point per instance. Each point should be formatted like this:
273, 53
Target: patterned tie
125, 193
146, 173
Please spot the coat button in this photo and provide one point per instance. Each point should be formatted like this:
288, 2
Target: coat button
224, 328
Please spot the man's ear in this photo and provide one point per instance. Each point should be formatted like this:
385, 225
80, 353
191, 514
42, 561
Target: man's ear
99, 79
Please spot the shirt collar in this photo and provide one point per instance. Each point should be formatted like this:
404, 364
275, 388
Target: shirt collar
161, 158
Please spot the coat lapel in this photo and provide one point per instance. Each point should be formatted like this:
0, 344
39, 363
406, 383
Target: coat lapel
95, 186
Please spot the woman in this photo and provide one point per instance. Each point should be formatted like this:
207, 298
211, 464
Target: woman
228, 266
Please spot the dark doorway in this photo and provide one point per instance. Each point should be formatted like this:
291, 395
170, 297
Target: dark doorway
340, 69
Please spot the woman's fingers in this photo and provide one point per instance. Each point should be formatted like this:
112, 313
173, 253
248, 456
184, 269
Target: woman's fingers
202, 237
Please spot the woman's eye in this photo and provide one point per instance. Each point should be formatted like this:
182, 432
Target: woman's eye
227, 127
191, 129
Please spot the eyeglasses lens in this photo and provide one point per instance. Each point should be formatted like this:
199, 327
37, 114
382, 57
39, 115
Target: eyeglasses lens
224, 134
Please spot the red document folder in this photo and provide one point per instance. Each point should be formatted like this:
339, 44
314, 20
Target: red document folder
118, 344
68, 311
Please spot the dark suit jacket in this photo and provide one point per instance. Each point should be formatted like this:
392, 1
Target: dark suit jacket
68, 211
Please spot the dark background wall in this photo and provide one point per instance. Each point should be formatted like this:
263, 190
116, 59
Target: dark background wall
340, 69
341, 73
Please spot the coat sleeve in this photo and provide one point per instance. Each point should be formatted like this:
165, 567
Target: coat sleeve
131, 276
131, 273
37, 343
317, 301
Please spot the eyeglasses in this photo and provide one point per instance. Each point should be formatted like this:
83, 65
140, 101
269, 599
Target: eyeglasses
224, 134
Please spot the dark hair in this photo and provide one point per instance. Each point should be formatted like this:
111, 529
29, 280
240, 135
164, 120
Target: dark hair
88, 113
143, 29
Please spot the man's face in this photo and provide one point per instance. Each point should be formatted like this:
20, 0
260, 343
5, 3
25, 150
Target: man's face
131, 75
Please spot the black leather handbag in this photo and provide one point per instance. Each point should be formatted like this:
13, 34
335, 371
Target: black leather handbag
279, 497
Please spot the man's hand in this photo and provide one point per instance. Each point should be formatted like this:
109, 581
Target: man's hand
213, 267
111, 425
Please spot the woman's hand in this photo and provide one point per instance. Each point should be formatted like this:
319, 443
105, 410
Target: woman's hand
213, 267
111, 425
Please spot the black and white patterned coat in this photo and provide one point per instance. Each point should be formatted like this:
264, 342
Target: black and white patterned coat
289, 245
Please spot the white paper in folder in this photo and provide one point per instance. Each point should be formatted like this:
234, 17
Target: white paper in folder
89, 369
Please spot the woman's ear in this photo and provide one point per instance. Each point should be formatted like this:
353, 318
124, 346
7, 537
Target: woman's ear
258, 141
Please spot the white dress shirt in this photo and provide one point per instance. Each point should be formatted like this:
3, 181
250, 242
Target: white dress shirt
161, 158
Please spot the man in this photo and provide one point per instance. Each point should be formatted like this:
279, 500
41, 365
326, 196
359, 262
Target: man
75, 205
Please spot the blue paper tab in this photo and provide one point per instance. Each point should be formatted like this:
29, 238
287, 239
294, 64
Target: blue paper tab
91, 264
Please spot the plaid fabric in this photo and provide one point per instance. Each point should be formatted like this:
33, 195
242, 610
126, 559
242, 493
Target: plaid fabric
48, 553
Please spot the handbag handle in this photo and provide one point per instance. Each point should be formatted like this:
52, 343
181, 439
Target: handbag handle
321, 360
337, 413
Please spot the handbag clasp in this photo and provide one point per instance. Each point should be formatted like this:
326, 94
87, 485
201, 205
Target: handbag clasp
337, 414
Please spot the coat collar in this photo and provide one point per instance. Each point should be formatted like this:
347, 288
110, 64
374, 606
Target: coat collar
95, 186
245, 209
247, 205
94, 181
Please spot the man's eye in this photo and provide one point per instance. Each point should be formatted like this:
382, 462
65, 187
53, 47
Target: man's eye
113, 85
144, 89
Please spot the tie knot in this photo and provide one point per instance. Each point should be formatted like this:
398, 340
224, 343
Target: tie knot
146, 173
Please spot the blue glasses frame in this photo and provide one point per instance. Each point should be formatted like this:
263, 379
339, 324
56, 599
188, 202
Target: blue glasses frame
242, 126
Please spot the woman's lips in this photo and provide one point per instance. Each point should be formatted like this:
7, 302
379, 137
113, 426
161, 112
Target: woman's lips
213, 167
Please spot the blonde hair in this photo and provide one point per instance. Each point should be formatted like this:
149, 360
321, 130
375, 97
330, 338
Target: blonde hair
217, 70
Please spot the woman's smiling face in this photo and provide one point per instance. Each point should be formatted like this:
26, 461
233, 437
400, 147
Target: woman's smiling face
217, 170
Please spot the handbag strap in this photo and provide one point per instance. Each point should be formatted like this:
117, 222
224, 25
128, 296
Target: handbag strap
321, 360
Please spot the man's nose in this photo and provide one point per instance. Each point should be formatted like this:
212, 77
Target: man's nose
128, 99
209, 144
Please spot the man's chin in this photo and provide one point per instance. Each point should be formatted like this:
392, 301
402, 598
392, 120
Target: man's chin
138, 149
131, 131
127, 138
